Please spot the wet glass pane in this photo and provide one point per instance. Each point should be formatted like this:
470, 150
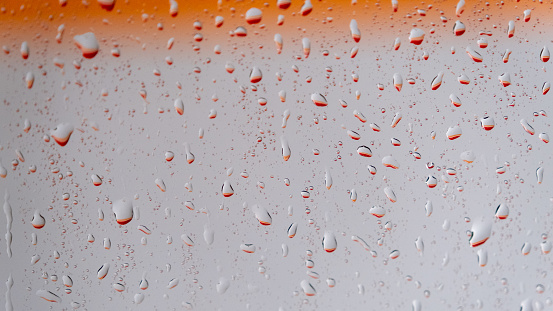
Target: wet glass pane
279, 155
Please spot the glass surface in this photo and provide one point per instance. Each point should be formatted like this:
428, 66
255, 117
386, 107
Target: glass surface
280, 155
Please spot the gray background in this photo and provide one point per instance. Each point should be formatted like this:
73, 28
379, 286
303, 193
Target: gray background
128, 151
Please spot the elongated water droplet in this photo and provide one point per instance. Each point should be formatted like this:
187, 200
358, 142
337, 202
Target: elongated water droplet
419, 244
527, 127
306, 8
209, 234
355, 33
511, 29
546, 247
472, 53
459, 10
29, 79
417, 306
292, 230
526, 248
307, 288
353, 195
544, 54
539, 175
306, 47
286, 152
103, 271
328, 179
506, 55
429, 208
396, 119
255, 75
354, 51
319, 100
329, 242
361, 242
262, 215
48, 296
527, 15
502, 211
437, 81
278, 42
398, 81
222, 285
284, 250
173, 283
